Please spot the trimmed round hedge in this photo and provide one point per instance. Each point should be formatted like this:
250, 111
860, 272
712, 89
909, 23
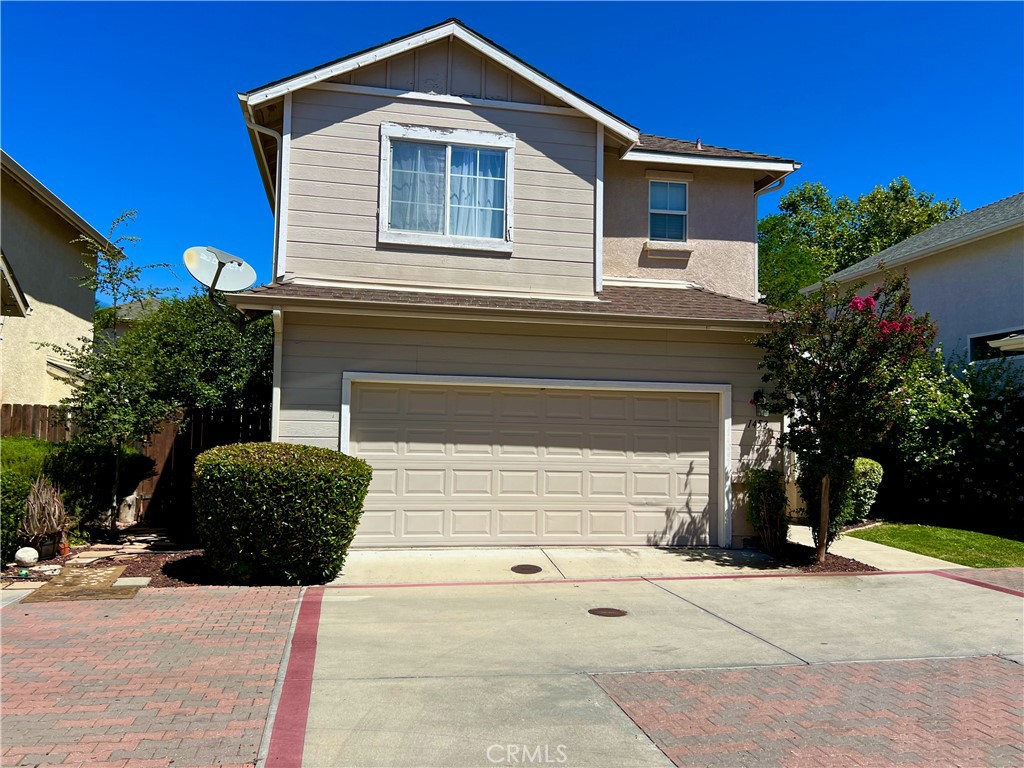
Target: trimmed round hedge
273, 513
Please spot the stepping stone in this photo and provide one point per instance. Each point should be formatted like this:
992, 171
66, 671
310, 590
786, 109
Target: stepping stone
133, 581
25, 585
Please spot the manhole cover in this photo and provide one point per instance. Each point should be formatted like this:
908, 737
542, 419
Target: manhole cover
611, 612
526, 569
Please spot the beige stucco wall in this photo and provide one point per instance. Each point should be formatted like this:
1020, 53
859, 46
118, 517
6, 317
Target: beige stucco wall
971, 290
721, 224
318, 348
36, 242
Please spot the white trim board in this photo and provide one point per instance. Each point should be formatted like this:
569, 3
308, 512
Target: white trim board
455, 30
285, 171
641, 156
724, 392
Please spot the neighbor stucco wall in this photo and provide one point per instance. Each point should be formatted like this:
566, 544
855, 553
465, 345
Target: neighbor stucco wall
720, 253
970, 290
318, 349
36, 242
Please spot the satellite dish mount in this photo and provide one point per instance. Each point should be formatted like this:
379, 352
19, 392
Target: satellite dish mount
218, 271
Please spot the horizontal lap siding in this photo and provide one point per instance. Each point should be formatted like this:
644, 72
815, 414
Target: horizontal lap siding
318, 349
333, 197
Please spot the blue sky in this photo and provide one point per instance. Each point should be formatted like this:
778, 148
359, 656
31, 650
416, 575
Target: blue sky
132, 105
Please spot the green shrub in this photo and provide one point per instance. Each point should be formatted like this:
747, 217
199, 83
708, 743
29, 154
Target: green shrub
14, 491
24, 455
272, 513
861, 493
21, 464
84, 471
766, 508
851, 495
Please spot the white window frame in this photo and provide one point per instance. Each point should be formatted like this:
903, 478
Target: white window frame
448, 137
684, 213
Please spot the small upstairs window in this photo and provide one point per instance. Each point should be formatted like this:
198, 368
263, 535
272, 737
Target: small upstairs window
667, 211
446, 188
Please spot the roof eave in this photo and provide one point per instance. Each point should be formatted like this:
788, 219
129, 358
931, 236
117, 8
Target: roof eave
776, 166
51, 200
250, 301
877, 263
257, 148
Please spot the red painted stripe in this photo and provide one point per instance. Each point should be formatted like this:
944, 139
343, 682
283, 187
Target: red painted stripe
975, 582
619, 580
288, 735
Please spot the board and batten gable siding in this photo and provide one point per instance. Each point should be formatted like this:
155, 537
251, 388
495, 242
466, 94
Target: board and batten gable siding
334, 174
318, 349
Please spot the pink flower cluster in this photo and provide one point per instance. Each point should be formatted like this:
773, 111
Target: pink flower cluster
894, 326
860, 304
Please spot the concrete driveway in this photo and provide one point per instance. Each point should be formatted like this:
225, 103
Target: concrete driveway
479, 674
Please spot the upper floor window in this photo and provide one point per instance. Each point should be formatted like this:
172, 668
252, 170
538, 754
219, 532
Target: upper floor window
446, 188
667, 210
982, 349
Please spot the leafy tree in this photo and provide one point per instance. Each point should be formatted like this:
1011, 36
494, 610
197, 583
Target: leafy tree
840, 364
814, 235
201, 359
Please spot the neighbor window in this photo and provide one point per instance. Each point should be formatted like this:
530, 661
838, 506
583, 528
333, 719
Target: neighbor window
980, 349
448, 188
668, 210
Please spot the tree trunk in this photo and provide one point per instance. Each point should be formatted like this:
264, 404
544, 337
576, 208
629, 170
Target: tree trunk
826, 487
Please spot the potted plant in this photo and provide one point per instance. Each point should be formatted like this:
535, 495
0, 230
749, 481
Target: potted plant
45, 523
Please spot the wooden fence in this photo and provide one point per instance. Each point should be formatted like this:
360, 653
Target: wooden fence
42, 421
164, 495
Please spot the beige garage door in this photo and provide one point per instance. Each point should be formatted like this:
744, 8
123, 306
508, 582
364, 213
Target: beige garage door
511, 465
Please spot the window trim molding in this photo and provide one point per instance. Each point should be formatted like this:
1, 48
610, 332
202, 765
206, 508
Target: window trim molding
445, 136
678, 244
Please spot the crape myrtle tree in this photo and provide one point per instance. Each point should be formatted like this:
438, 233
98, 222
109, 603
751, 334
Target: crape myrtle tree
840, 365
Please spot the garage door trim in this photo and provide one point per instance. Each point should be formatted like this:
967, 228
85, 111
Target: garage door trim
724, 392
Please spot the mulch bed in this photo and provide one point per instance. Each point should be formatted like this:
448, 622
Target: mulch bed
806, 559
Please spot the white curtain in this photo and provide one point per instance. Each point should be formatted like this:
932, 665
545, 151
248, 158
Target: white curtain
417, 187
477, 193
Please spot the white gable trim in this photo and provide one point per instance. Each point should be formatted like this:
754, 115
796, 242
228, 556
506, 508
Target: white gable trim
463, 35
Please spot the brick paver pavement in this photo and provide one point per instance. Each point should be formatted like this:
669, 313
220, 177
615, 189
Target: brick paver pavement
175, 676
935, 712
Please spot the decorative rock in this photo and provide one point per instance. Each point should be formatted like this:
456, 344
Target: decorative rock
26, 556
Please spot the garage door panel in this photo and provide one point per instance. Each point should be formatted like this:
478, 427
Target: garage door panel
479, 465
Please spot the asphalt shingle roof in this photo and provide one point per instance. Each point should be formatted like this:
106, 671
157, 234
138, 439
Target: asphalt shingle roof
666, 303
994, 216
651, 143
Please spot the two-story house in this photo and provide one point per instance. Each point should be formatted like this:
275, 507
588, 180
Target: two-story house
531, 319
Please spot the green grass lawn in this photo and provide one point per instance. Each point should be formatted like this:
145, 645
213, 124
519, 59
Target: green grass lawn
977, 550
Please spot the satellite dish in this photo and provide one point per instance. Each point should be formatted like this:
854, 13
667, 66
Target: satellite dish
218, 270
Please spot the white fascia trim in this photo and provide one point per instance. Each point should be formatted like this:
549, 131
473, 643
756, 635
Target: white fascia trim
444, 98
613, 124
49, 199
285, 171
723, 391
640, 156
447, 137
872, 267
275, 402
599, 212
641, 282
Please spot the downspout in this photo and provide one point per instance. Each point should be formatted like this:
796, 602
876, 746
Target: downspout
773, 186
247, 115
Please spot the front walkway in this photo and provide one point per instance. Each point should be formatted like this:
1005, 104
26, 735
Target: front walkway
883, 557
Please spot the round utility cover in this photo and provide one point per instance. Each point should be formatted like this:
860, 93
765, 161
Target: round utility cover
203, 261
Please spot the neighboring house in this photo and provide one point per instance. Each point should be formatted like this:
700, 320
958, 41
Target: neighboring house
532, 320
40, 264
968, 274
